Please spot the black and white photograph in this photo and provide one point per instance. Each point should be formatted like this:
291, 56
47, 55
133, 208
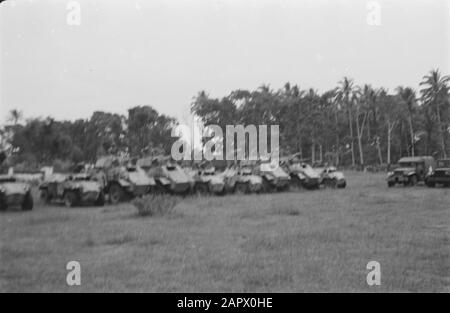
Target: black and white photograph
224, 152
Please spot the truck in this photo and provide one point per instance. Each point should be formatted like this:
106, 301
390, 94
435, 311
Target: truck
440, 175
411, 170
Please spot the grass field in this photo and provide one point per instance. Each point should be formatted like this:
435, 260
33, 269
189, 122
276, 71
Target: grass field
286, 242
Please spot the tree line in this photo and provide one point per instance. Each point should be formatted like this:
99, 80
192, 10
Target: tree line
46, 141
349, 125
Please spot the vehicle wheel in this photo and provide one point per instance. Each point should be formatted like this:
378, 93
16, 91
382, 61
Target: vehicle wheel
70, 199
201, 189
115, 194
283, 188
331, 183
159, 189
430, 184
343, 185
267, 186
45, 196
413, 180
27, 204
391, 184
241, 188
296, 182
100, 200
3, 205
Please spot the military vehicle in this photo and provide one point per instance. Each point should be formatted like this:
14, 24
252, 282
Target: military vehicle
331, 177
14, 193
208, 181
230, 177
122, 179
411, 170
301, 173
440, 175
72, 189
168, 175
273, 175
247, 181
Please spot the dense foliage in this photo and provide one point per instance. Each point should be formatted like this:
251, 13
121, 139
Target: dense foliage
46, 141
348, 125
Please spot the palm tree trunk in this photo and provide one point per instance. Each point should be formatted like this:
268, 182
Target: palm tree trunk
411, 132
361, 153
389, 145
441, 132
321, 153
359, 134
380, 156
337, 137
390, 128
351, 135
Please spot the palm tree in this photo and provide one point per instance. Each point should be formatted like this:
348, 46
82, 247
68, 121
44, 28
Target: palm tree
391, 117
367, 96
434, 95
15, 116
346, 94
408, 97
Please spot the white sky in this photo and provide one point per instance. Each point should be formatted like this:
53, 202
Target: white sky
162, 52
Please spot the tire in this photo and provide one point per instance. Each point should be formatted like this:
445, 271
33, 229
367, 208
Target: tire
331, 183
3, 205
391, 184
70, 199
413, 180
283, 188
343, 185
45, 196
27, 204
159, 189
430, 184
201, 189
100, 200
115, 194
267, 186
296, 182
241, 188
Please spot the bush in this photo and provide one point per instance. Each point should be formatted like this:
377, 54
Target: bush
155, 205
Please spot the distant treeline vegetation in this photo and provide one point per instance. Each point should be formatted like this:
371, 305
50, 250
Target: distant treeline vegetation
36, 142
350, 125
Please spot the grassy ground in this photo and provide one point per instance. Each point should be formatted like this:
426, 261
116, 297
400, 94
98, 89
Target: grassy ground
287, 242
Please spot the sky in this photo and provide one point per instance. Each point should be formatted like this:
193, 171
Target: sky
163, 52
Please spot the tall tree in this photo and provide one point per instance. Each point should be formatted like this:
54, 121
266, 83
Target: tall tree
15, 116
346, 94
435, 95
408, 98
148, 130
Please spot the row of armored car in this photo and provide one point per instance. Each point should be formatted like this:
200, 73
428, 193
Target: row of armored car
120, 179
